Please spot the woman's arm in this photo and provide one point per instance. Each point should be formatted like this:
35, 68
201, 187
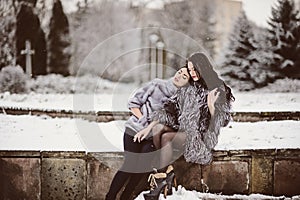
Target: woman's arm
141, 95
220, 116
220, 119
136, 112
167, 116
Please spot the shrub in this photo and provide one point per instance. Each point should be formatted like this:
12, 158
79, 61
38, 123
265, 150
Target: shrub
13, 79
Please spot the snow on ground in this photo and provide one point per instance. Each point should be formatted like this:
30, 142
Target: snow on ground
183, 194
117, 101
260, 135
26, 132
79, 102
250, 102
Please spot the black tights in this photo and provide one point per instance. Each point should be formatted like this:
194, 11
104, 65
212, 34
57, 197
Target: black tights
169, 141
127, 171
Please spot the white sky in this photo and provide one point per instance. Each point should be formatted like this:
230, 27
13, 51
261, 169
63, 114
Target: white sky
258, 10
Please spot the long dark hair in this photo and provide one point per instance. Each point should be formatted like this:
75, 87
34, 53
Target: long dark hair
209, 79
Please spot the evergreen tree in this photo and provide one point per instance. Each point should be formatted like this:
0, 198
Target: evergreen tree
239, 59
40, 56
59, 41
260, 72
285, 39
7, 33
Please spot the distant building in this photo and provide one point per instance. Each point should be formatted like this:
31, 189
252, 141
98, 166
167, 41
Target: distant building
227, 12
297, 4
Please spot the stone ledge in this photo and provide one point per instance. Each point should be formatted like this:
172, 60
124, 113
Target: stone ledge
19, 154
36, 175
63, 154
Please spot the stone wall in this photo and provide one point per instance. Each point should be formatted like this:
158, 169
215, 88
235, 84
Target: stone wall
80, 175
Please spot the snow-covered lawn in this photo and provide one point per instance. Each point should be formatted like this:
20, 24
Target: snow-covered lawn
75, 102
43, 133
117, 101
25, 132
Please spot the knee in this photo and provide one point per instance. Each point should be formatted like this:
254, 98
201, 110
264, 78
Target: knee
158, 128
165, 138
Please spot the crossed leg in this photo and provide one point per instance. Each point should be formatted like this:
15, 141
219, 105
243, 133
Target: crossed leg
157, 131
169, 141
165, 139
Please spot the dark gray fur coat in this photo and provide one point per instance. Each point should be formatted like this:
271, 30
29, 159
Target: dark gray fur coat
187, 111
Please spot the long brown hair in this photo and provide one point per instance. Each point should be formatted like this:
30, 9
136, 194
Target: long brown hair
209, 79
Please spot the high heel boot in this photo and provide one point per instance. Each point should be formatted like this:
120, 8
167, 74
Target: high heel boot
171, 179
158, 184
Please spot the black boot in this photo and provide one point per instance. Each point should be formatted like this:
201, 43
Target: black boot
171, 179
158, 184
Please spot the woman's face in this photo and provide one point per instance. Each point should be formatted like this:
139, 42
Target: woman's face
194, 74
181, 78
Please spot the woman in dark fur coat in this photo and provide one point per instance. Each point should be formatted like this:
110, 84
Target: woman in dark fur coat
197, 112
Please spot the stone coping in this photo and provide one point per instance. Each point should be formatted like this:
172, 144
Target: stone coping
218, 155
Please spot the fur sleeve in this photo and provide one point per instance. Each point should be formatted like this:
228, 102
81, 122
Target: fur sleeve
168, 115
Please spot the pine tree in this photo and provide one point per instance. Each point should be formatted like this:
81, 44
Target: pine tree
59, 41
260, 72
285, 39
240, 60
7, 33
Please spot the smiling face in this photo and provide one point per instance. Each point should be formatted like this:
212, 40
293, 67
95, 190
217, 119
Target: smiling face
194, 74
181, 78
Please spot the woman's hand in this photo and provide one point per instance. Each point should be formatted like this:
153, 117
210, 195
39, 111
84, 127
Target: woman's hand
140, 136
211, 99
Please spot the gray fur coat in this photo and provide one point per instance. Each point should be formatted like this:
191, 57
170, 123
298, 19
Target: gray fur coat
187, 111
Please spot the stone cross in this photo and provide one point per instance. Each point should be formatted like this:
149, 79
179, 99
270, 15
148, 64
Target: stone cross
28, 52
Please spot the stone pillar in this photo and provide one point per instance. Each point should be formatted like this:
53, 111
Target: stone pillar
63, 175
188, 174
262, 171
160, 59
153, 56
229, 173
101, 168
287, 172
20, 175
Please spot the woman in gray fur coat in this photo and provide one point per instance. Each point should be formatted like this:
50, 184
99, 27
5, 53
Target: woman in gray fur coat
145, 100
197, 112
